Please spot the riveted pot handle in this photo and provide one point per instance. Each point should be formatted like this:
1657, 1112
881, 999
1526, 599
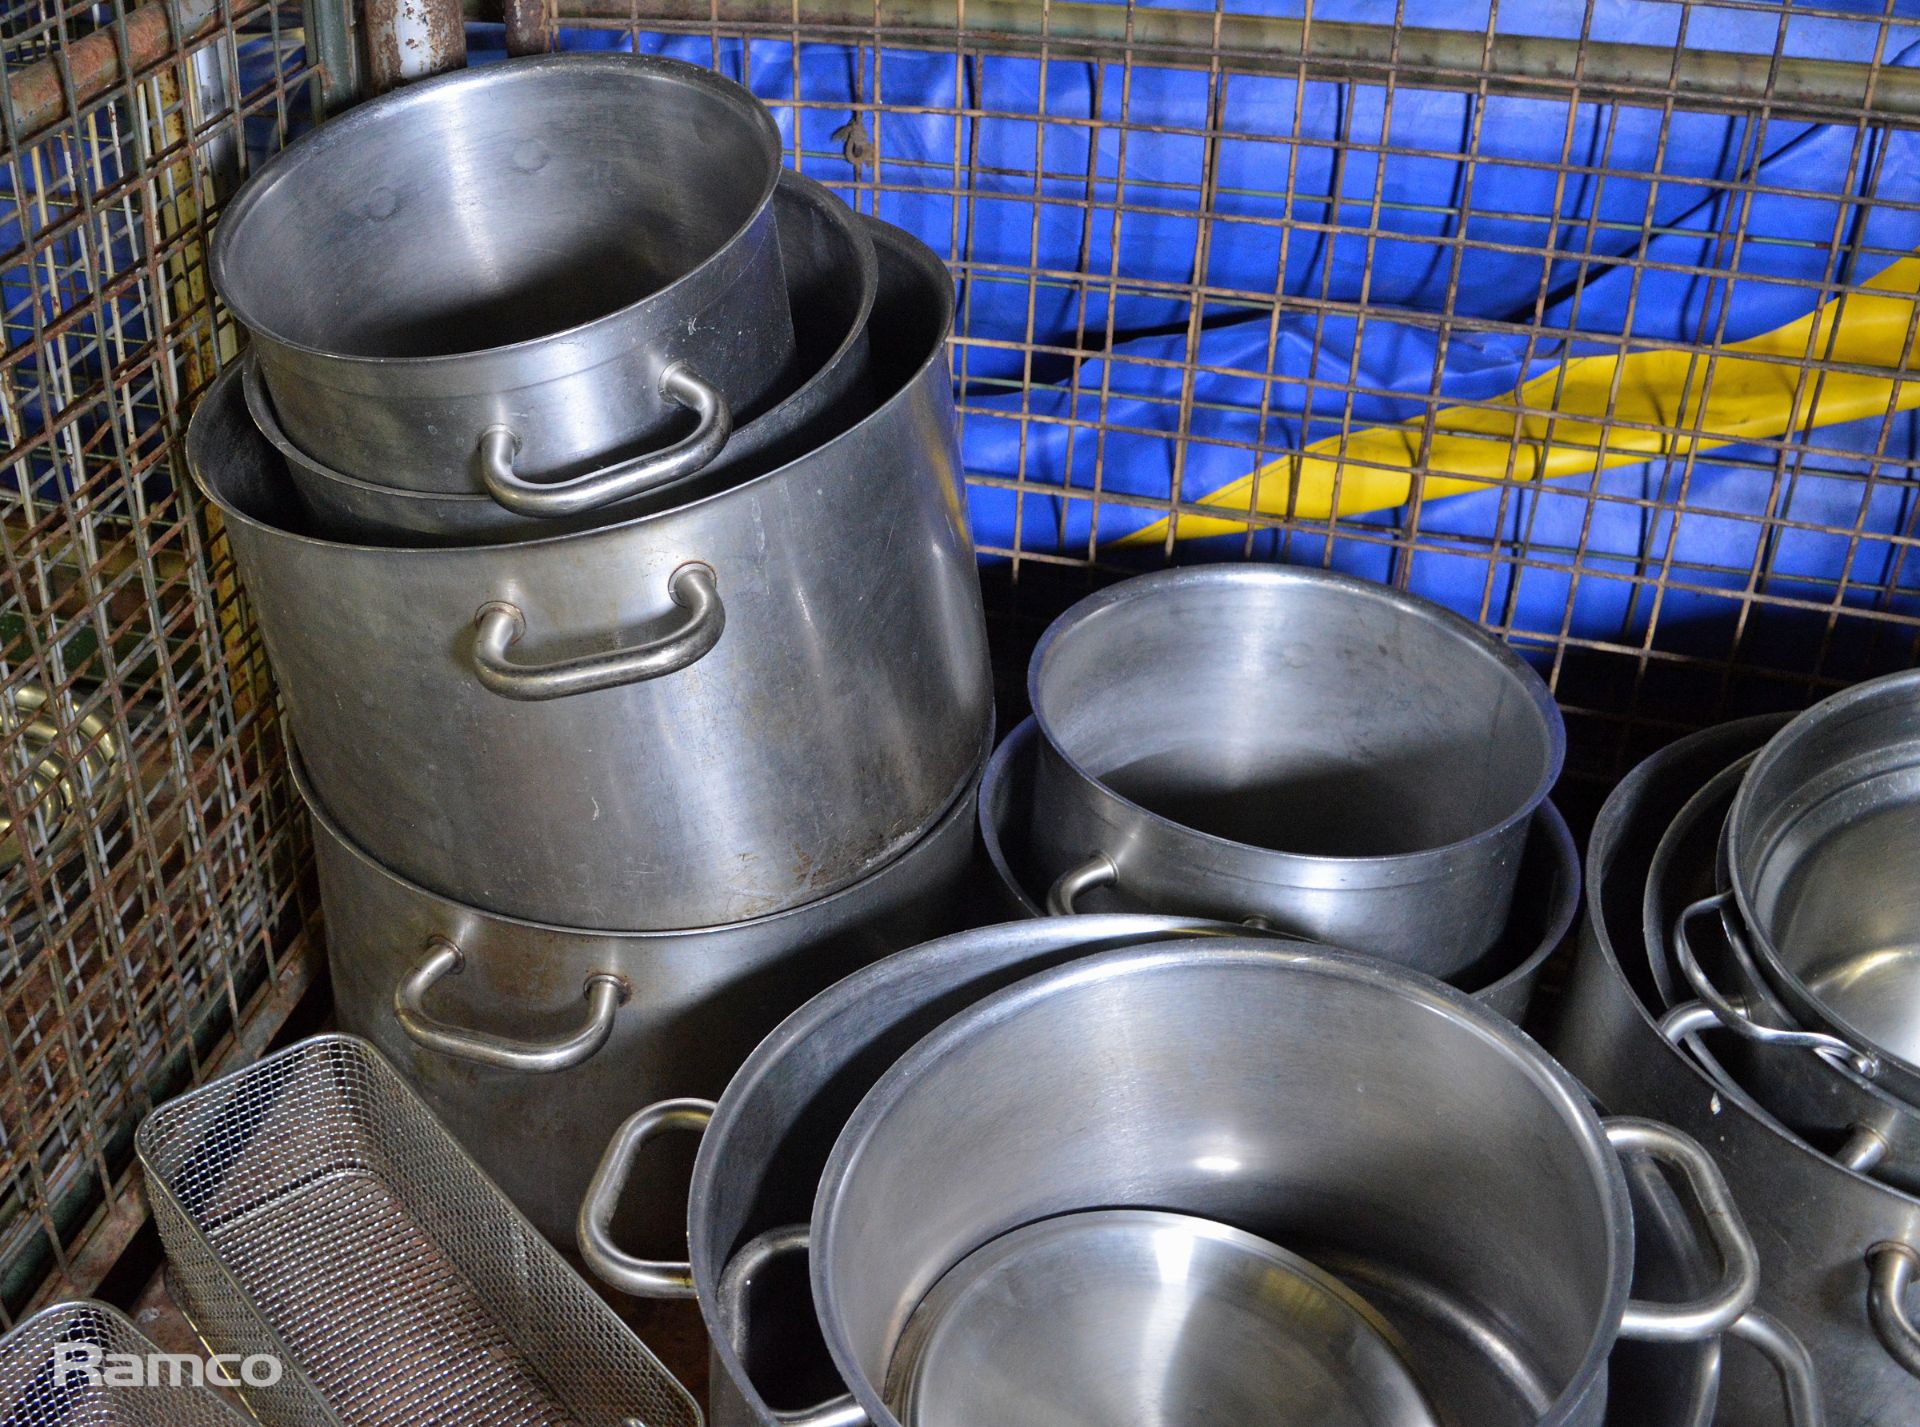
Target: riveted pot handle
1717, 1310
1791, 1361
498, 626
605, 993
1731, 1016
1893, 1264
734, 1309
679, 384
643, 1278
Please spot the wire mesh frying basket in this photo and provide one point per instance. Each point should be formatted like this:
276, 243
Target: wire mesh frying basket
40, 1386
314, 1210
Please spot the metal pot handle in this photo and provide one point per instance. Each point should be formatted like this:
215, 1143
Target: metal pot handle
1893, 1265
643, 1278
679, 384
1731, 1016
499, 625
1715, 1311
606, 993
1097, 871
736, 1284
1780, 1346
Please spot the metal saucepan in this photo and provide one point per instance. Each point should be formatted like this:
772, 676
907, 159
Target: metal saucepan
827, 254
1707, 985
1378, 1123
763, 1146
1821, 876
1334, 757
700, 716
1837, 1248
520, 280
1546, 891
532, 1042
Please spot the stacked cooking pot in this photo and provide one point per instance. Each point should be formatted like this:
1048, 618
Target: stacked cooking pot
1298, 751
1123, 1166
594, 482
1751, 972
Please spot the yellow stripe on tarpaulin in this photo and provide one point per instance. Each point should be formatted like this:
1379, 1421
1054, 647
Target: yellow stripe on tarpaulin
1562, 430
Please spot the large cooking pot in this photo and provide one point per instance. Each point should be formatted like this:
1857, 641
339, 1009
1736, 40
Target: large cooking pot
1836, 1247
700, 716
1825, 1099
1546, 889
827, 255
520, 280
532, 1042
1380, 1124
1337, 758
1818, 875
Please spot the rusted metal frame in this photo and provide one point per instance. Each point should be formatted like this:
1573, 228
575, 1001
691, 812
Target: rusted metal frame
1204, 218
82, 71
124, 1213
1876, 462
1753, 144
1335, 50
1032, 283
406, 40
1550, 245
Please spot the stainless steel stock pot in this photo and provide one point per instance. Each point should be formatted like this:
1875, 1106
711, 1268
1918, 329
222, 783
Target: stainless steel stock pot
1331, 756
699, 716
526, 280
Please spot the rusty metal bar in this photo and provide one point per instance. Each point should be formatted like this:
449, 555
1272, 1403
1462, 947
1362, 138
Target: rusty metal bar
37, 98
412, 39
1713, 80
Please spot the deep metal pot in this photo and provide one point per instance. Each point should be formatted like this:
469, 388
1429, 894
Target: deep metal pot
1818, 874
1546, 890
763, 1146
1706, 981
697, 717
533, 1042
827, 255
1837, 1248
1380, 1124
1334, 757
520, 280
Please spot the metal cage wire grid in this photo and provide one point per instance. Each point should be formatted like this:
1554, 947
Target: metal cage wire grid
152, 863
1801, 582
1667, 559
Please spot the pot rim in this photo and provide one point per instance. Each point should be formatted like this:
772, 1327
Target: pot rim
814, 193
1747, 816
818, 1014
1617, 816
1265, 573
1557, 1086
955, 808
912, 250
392, 108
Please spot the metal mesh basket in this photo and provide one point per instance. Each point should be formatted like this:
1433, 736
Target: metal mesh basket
35, 1392
313, 1209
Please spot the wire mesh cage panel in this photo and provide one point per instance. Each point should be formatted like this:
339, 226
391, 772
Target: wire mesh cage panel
1587, 320
151, 862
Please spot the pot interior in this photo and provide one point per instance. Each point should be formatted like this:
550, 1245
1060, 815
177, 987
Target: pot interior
1822, 844
1298, 712
1351, 1115
493, 209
